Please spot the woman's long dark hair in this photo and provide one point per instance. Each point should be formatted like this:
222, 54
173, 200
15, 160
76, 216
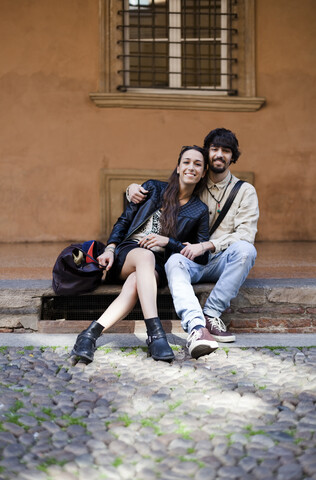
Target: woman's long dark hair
170, 202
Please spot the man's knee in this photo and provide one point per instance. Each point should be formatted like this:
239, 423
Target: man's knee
173, 261
246, 251
177, 267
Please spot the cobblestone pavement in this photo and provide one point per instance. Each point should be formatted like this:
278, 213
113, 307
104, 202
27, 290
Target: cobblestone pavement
239, 413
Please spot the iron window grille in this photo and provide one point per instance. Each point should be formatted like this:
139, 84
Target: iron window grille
178, 45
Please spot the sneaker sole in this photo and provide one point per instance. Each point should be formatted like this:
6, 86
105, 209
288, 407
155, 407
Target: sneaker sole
201, 350
231, 338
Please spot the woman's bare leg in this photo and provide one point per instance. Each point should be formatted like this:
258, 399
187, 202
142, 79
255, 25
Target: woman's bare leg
122, 305
142, 262
86, 341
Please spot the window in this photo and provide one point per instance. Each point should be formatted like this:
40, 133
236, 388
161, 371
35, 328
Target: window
190, 54
177, 45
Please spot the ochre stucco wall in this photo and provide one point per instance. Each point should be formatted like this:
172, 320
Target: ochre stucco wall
55, 141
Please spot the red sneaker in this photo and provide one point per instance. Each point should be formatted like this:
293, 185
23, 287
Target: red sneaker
217, 329
200, 342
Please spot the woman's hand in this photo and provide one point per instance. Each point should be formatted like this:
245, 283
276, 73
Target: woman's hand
106, 259
191, 251
136, 193
154, 240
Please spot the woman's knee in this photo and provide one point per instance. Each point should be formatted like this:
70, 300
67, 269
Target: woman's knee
144, 255
140, 257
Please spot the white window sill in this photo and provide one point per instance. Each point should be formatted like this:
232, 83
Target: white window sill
180, 101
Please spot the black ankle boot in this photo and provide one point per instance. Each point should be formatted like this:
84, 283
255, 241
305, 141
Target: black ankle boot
158, 346
86, 340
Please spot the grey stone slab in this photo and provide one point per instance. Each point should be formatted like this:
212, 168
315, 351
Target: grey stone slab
134, 340
26, 284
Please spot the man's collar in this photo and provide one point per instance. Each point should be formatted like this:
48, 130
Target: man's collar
221, 184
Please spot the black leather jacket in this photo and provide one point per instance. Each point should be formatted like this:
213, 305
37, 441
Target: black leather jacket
192, 223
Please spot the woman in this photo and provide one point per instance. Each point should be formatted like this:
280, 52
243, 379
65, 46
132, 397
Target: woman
141, 241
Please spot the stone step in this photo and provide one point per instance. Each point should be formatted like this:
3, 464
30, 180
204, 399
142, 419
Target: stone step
262, 305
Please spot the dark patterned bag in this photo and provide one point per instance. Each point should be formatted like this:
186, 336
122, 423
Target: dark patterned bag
76, 269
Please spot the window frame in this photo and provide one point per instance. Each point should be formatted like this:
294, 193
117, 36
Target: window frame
109, 97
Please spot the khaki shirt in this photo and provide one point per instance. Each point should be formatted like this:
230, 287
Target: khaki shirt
240, 222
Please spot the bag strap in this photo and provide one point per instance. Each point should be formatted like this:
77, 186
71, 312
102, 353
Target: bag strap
91, 258
227, 205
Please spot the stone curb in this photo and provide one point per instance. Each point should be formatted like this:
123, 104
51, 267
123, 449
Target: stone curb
134, 340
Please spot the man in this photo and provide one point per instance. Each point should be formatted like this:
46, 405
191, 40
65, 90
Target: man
231, 250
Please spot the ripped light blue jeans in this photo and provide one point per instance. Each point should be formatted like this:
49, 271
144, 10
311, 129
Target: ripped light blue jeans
229, 269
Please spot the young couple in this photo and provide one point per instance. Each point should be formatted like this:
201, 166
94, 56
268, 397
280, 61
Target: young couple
165, 231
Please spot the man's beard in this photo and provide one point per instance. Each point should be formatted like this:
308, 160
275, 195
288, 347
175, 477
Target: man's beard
218, 169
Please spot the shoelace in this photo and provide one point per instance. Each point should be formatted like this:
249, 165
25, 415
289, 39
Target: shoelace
218, 323
193, 334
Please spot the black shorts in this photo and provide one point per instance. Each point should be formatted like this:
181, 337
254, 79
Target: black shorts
121, 252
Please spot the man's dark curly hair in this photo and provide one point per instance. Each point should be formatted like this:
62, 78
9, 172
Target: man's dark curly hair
221, 137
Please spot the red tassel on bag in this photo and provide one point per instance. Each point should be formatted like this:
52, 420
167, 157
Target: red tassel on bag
90, 252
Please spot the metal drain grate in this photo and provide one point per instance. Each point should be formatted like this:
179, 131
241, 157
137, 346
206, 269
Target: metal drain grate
90, 307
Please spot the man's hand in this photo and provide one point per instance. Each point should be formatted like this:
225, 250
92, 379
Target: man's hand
191, 251
106, 259
137, 193
154, 240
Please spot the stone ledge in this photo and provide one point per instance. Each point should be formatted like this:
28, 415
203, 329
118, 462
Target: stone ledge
41, 284
262, 305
